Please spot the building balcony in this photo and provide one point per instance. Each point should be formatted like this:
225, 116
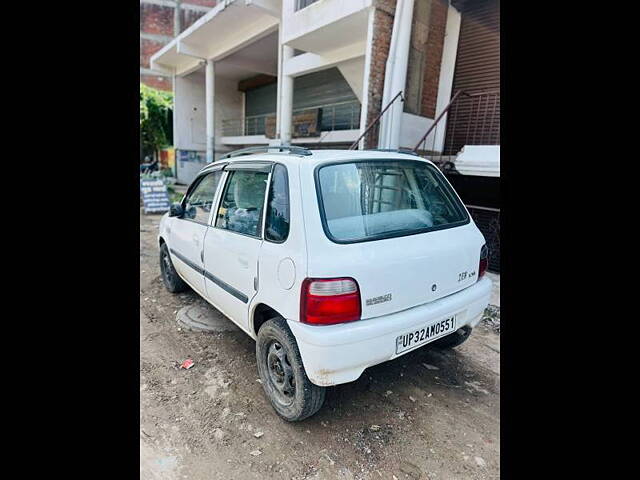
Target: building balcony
324, 25
336, 122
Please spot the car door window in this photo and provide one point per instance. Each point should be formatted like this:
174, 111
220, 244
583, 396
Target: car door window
198, 203
242, 204
277, 218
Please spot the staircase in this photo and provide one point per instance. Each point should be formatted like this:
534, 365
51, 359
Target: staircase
371, 133
471, 151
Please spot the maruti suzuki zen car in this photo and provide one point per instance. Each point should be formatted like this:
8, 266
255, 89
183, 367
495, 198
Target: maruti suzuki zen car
332, 260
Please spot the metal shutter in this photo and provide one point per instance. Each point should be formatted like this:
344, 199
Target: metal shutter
327, 89
476, 120
261, 100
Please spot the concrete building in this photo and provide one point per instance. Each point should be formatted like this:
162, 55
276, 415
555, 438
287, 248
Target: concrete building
160, 22
320, 73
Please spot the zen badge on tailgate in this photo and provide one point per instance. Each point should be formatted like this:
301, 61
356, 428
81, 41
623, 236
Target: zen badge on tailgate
380, 299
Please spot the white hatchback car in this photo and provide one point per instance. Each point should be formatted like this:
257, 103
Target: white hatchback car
332, 260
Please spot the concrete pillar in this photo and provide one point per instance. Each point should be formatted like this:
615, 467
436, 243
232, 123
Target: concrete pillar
286, 100
396, 75
209, 107
364, 109
276, 141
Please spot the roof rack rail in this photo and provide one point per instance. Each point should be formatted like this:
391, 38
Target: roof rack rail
394, 150
280, 148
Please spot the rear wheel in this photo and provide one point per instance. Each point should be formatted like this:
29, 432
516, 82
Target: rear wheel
453, 340
282, 373
170, 277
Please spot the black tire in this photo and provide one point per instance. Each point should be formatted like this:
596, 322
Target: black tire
170, 277
454, 339
282, 373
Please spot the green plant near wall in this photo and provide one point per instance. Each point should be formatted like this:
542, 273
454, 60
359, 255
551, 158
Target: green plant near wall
156, 129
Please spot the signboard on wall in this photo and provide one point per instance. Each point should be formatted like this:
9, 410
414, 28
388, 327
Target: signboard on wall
189, 163
307, 123
155, 197
270, 126
189, 156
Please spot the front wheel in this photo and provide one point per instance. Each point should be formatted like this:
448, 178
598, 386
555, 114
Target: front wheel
282, 373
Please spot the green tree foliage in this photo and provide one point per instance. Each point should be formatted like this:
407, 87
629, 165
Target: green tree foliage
156, 129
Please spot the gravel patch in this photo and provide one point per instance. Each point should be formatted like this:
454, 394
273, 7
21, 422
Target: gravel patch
491, 318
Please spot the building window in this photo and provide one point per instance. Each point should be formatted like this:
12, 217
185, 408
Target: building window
300, 4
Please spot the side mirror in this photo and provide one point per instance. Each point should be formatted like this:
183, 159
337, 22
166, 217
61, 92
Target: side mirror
176, 210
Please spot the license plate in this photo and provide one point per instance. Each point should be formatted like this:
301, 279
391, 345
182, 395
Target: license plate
426, 334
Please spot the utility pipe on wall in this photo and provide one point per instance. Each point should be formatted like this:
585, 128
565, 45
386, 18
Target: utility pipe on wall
209, 108
176, 19
396, 74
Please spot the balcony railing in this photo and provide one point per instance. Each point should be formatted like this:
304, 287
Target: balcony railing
253, 125
473, 119
334, 116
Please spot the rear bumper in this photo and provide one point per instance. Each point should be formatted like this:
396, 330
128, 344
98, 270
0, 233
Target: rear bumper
335, 354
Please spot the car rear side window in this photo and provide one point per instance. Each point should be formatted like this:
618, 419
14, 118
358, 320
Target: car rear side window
243, 201
367, 200
277, 220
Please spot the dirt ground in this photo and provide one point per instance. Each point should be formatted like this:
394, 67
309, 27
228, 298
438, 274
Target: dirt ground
426, 415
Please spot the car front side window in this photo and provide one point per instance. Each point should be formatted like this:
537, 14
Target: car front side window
198, 203
242, 204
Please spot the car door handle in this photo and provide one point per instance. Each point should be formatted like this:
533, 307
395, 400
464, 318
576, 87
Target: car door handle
196, 240
244, 262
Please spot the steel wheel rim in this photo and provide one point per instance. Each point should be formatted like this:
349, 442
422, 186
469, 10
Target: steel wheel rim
280, 373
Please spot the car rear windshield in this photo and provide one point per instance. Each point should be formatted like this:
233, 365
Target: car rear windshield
367, 200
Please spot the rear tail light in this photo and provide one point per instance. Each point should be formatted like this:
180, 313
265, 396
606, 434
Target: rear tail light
327, 301
484, 261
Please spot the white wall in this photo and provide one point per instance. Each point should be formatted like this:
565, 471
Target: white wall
229, 105
189, 112
353, 72
413, 127
447, 68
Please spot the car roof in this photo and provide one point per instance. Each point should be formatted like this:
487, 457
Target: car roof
315, 157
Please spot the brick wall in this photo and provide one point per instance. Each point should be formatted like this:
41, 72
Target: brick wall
188, 18
382, 30
202, 3
161, 83
147, 49
156, 19
435, 44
